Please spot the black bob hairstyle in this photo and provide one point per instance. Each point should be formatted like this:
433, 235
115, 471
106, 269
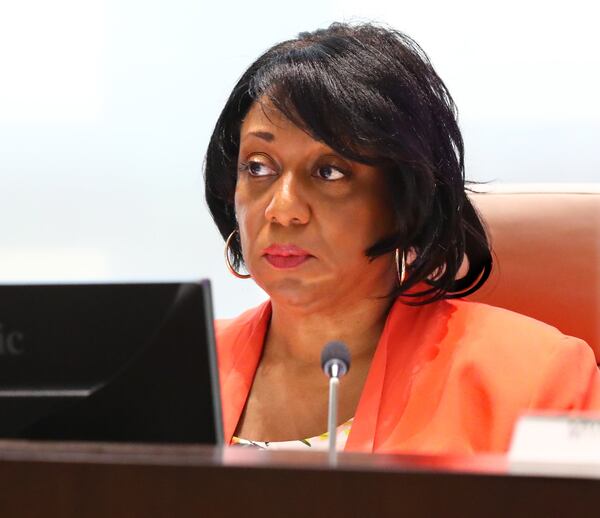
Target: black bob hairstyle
371, 94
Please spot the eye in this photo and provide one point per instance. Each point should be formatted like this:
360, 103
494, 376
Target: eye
255, 168
330, 173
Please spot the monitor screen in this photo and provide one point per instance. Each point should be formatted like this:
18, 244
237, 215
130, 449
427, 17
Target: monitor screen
109, 362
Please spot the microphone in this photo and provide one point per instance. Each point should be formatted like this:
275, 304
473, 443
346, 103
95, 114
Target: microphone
335, 362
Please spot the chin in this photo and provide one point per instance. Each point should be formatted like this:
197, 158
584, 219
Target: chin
293, 292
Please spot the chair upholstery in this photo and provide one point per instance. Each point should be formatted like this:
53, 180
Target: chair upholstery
546, 243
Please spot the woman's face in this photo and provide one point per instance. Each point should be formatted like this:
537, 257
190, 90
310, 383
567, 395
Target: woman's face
307, 215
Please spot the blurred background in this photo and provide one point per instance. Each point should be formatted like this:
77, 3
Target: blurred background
106, 108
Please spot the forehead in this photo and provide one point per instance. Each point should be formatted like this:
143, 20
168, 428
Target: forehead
264, 123
267, 122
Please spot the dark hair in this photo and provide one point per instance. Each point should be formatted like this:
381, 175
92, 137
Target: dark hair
372, 95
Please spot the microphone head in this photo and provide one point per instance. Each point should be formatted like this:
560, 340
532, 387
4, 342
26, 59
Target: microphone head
335, 353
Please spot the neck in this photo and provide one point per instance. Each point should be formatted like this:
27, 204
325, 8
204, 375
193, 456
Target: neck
296, 337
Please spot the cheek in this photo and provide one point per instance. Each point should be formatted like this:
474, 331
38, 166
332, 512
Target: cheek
347, 232
240, 208
361, 220
249, 216
380, 208
356, 229
242, 203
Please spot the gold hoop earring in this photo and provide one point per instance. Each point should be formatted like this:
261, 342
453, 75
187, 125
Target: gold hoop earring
401, 266
228, 261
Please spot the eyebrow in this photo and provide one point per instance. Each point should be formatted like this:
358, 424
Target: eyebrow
265, 135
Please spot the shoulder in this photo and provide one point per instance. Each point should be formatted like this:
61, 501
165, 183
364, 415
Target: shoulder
519, 353
227, 329
478, 329
231, 332
500, 327
496, 316
230, 325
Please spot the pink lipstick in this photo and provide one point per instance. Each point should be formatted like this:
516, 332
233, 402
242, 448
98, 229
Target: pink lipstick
285, 256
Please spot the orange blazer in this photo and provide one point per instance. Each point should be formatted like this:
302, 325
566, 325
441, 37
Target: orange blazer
447, 377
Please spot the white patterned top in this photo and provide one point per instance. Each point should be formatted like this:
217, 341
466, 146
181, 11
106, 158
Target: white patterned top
319, 442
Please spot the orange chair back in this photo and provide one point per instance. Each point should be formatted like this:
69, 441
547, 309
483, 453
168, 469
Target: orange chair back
547, 256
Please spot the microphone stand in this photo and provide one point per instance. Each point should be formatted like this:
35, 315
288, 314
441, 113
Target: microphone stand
335, 362
334, 382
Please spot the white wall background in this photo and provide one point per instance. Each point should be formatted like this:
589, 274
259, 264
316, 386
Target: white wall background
106, 107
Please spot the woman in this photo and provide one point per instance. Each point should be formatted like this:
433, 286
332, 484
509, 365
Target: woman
335, 174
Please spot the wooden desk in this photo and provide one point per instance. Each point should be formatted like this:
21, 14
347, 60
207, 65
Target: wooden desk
95, 480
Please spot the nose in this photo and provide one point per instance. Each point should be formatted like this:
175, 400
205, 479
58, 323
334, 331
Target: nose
288, 205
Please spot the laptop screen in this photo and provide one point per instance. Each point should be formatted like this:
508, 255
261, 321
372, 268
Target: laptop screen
109, 362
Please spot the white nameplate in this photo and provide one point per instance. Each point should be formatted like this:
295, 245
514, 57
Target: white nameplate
562, 443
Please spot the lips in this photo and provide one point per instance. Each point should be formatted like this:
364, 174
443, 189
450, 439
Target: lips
286, 255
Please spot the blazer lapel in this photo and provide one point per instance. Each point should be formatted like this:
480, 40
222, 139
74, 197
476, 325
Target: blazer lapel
240, 346
383, 397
